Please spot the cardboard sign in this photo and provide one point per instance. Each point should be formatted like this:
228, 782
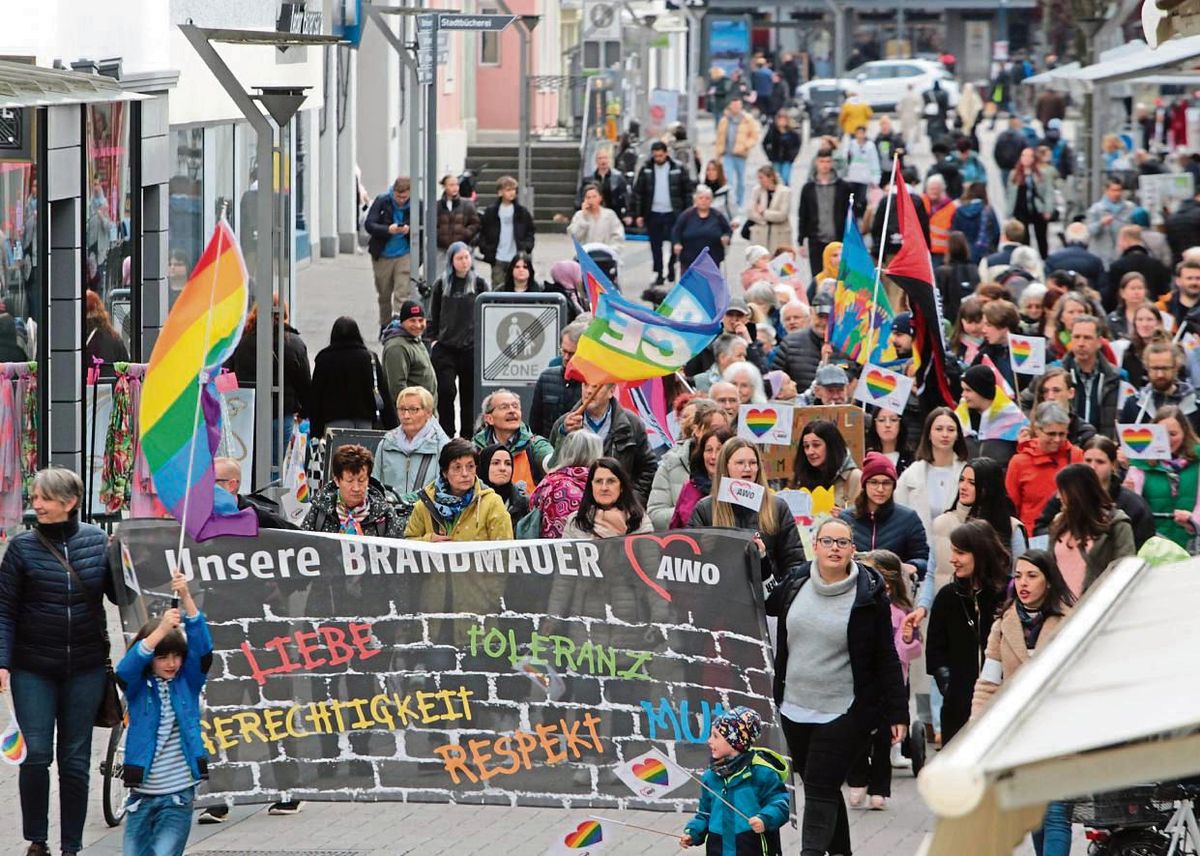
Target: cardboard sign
1027, 353
767, 424
779, 461
883, 388
1144, 442
741, 492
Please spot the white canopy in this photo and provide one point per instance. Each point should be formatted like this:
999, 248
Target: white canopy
1132, 61
1111, 702
23, 85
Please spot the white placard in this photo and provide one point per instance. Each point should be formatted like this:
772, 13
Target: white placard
883, 388
768, 424
1144, 442
1027, 354
1119, 347
742, 492
784, 266
1126, 392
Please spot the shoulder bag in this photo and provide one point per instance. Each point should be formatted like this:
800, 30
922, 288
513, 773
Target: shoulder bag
110, 712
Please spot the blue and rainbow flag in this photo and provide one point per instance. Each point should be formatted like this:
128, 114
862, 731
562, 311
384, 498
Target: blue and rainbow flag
180, 417
628, 342
850, 324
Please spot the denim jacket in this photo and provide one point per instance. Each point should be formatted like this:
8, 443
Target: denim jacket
145, 706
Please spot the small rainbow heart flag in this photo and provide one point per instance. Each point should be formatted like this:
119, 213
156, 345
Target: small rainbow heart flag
653, 771
12, 741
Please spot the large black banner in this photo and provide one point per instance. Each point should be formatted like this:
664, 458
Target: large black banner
563, 673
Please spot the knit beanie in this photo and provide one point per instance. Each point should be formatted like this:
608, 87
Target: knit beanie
877, 464
740, 727
982, 380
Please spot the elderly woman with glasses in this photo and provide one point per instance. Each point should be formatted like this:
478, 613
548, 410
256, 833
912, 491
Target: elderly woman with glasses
837, 676
408, 455
1030, 477
699, 227
53, 646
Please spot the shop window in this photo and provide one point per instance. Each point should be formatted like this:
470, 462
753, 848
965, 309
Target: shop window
489, 43
186, 225
108, 234
20, 278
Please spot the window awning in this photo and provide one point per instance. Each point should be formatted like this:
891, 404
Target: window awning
1109, 703
24, 85
1133, 61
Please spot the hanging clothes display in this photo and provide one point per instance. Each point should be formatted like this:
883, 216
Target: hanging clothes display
18, 438
116, 477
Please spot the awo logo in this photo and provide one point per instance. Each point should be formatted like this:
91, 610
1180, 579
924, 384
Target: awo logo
671, 567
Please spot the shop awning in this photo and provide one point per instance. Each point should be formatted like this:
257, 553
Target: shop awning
24, 85
1133, 61
1111, 702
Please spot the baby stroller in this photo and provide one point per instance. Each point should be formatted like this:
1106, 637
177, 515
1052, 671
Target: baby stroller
606, 258
824, 106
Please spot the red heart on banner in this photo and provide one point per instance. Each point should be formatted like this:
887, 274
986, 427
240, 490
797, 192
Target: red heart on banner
631, 553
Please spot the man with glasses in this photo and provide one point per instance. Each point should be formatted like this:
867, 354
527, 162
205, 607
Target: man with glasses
387, 224
1097, 382
501, 423
1163, 361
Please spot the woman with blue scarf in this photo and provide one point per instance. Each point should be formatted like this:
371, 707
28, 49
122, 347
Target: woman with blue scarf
457, 506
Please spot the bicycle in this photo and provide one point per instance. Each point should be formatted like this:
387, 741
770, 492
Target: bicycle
112, 771
1147, 820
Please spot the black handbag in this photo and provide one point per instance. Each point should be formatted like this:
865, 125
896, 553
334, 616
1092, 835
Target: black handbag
111, 711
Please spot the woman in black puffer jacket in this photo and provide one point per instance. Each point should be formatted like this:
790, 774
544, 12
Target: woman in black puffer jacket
53, 646
879, 523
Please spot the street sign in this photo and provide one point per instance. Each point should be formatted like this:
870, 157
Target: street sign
475, 23
523, 335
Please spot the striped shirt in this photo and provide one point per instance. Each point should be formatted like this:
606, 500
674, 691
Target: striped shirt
169, 772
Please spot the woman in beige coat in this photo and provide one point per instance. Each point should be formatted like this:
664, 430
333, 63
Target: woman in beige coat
770, 205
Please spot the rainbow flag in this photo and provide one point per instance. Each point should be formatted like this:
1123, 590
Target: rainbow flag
648, 400
1002, 421
850, 326
180, 417
13, 748
628, 342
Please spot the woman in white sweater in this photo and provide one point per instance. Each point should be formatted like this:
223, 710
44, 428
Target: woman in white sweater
930, 484
595, 224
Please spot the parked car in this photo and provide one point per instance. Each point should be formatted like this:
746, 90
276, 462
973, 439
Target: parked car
882, 83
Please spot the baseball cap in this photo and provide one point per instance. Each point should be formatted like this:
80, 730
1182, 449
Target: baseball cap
738, 304
831, 375
822, 304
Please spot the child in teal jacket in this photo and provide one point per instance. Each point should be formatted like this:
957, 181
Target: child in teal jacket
750, 779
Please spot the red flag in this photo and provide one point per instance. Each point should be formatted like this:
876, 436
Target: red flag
912, 270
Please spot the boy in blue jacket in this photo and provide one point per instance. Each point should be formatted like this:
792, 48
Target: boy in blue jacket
163, 673
750, 779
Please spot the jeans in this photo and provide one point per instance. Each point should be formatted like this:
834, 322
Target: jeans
158, 825
935, 706
1054, 838
42, 704
735, 174
821, 756
785, 172
658, 229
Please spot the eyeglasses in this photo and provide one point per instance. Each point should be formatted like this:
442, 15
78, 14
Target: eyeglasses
880, 483
406, 410
828, 542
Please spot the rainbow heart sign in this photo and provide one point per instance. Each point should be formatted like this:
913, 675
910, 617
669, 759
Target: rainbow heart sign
767, 424
651, 775
883, 388
1145, 442
1027, 353
590, 836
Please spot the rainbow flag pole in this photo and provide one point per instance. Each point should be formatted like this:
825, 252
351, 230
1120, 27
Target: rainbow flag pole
887, 213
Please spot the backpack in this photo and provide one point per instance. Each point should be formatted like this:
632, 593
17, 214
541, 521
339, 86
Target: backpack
983, 239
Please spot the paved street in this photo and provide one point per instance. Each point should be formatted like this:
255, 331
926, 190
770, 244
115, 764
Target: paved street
327, 289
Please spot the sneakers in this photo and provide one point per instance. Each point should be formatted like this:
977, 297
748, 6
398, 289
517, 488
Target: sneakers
878, 803
216, 814
898, 761
289, 807
857, 795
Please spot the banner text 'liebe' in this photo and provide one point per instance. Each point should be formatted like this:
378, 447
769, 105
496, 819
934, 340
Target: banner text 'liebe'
515, 673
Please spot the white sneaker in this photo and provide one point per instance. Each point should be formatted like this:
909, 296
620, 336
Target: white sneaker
899, 762
857, 795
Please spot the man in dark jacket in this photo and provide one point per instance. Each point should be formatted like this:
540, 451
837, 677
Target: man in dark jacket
1012, 235
1134, 257
891, 222
661, 191
800, 353
1183, 301
1163, 362
457, 219
622, 431
1008, 147
1096, 381
553, 394
387, 224
1183, 227
1075, 256
614, 190
505, 229
822, 214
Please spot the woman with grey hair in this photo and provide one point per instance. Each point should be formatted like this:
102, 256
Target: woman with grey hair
53, 648
1030, 477
764, 304
558, 494
748, 380
699, 227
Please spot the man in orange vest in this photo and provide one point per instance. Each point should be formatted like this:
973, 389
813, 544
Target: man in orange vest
940, 208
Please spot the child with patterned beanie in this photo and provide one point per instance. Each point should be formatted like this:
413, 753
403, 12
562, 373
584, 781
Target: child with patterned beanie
744, 801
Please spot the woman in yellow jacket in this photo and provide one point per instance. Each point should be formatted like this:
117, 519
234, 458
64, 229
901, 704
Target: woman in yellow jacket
457, 506
1032, 617
855, 113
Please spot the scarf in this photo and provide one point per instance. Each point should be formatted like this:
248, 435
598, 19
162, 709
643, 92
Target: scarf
1110, 207
1031, 624
703, 483
448, 505
350, 520
1172, 468
726, 767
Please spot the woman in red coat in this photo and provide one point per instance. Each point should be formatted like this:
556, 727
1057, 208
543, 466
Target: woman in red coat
1030, 478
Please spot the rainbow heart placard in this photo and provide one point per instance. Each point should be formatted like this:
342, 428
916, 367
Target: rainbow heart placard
580, 838
1145, 442
1027, 354
883, 388
13, 748
767, 424
651, 775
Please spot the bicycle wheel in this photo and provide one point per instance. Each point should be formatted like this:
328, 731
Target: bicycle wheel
113, 769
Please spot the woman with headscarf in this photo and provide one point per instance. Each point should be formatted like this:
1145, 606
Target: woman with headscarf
831, 260
566, 278
347, 380
496, 471
452, 331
